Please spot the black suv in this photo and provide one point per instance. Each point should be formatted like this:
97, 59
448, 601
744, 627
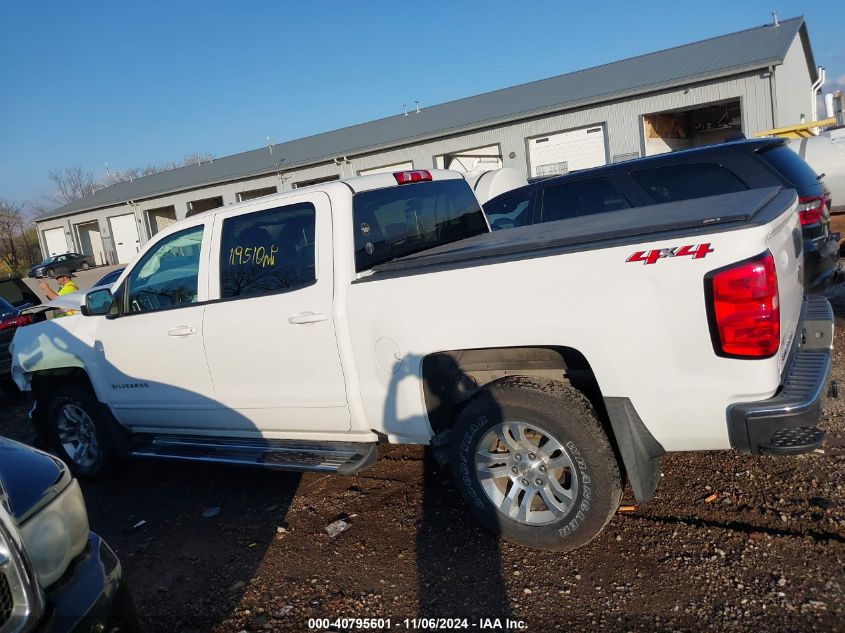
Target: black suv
692, 173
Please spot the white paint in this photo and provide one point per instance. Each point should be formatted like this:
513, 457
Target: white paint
55, 241
273, 374
577, 149
124, 233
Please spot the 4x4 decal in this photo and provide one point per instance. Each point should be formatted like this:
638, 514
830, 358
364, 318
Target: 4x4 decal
699, 251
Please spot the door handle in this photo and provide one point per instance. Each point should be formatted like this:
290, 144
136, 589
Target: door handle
307, 317
182, 331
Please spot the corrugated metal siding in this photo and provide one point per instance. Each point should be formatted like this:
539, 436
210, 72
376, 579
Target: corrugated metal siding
793, 84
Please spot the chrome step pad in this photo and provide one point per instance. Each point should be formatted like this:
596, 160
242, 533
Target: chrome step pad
341, 457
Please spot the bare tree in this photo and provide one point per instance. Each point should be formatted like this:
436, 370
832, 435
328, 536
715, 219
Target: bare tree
73, 183
13, 247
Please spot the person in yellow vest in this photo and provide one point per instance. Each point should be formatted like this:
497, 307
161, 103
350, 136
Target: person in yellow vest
66, 286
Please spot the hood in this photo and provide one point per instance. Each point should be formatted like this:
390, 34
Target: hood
29, 478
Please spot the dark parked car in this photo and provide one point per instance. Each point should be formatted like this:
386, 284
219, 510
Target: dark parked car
67, 263
55, 575
15, 295
693, 173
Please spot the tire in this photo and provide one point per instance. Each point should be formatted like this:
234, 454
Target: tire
51, 273
531, 459
81, 431
85, 265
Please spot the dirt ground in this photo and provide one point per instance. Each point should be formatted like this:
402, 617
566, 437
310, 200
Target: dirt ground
208, 548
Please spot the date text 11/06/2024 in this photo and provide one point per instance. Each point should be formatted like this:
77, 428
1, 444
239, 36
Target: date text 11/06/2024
417, 624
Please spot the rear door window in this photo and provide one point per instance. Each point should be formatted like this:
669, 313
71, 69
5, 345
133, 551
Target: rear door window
510, 210
268, 252
584, 197
683, 182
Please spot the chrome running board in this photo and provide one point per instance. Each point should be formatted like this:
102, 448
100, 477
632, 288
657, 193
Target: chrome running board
340, 457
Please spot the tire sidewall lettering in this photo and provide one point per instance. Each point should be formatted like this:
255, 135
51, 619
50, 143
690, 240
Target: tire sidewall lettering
586, 491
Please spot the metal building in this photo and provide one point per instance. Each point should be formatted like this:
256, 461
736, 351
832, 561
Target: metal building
695, 94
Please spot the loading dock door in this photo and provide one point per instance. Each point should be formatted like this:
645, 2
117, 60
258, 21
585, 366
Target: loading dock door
567, 151
124, 233
55, 242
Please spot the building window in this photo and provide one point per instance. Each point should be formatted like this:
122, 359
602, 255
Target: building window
256, 193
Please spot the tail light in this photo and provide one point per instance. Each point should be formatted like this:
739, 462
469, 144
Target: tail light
744, 308
15, 321
418, 175
812, 208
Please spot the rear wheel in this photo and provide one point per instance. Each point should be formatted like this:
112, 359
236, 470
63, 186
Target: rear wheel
81, 431
535, 465
85, 265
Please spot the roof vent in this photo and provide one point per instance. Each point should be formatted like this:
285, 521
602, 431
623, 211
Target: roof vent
775, 21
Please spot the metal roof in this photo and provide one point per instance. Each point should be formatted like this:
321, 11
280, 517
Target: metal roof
729, 54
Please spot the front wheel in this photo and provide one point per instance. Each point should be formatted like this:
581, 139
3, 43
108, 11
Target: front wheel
535, 465
81, 431
51, 273
85, 265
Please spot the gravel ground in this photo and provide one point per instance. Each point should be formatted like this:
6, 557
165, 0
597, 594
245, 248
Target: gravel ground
226, 549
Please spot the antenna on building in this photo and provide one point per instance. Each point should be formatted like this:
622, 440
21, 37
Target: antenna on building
417, 103
405, 109
775, 21
270, 144
108, 171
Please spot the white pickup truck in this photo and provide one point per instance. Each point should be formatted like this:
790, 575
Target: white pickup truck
546, 363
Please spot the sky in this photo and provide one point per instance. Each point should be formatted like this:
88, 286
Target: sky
145, 83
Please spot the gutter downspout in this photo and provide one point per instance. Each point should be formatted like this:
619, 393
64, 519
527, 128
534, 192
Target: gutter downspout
814, 89
772, 93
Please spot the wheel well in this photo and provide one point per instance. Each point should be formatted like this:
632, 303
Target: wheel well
451, 378
43, 382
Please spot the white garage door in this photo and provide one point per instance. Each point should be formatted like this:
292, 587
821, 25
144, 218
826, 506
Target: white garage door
387, 169
124, 233
54, 240
567, 151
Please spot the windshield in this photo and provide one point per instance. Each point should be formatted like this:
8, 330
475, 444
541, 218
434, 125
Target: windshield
399, 221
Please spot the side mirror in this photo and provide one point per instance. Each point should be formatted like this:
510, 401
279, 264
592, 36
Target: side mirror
98, 302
